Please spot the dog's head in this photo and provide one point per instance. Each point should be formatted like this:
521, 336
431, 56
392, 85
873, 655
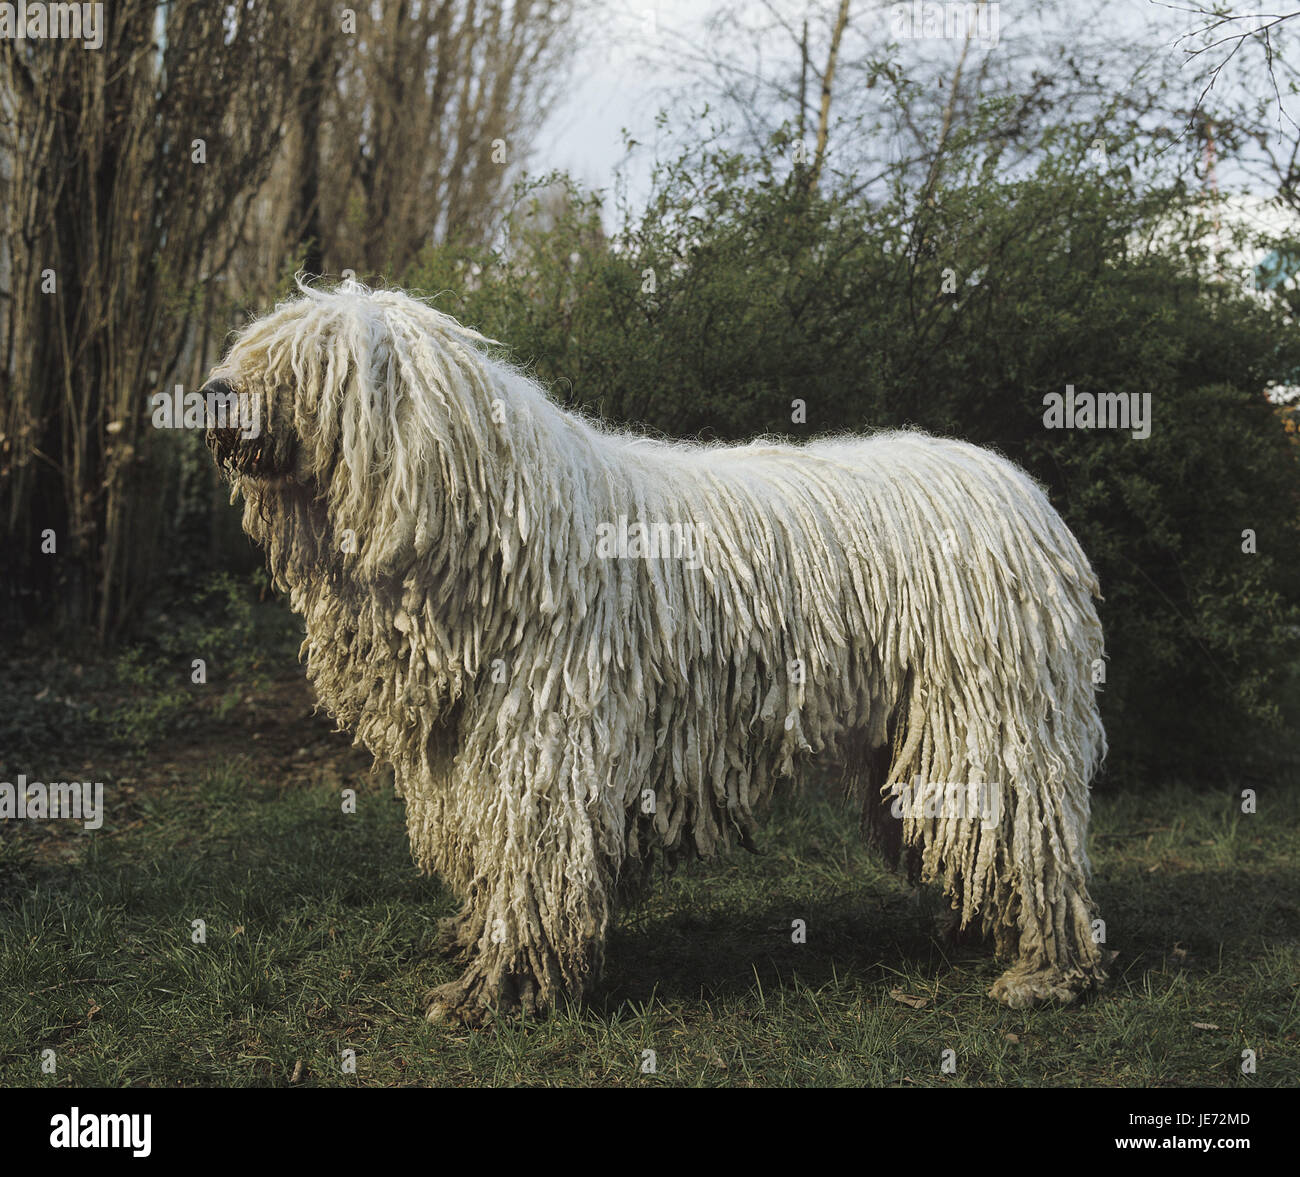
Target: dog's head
269, 412
368, 408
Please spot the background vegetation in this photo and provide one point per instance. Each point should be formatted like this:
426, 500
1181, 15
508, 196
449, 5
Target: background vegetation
743, 301
778, 277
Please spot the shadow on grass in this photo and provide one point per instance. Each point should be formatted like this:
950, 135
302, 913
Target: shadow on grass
721, 947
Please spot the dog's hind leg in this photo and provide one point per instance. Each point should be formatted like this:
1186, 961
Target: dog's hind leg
1008, 852
1041, 909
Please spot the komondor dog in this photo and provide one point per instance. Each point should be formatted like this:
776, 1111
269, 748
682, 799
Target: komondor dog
578, 648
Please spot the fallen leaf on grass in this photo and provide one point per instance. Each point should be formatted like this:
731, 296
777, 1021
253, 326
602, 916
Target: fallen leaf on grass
909, 999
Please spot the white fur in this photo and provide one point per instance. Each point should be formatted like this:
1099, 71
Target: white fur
895, 592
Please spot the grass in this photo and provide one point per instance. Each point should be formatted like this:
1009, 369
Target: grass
318, 931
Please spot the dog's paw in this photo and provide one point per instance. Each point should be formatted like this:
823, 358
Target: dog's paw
1022, 988
456, 1004
473, 1001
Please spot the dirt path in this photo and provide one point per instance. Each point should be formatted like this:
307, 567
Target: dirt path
271, 732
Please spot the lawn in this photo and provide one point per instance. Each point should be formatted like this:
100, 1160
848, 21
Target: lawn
318, 932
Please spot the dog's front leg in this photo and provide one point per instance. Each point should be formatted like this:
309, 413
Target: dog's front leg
544, 839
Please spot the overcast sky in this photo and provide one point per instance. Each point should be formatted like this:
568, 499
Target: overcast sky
623, 70
614, 85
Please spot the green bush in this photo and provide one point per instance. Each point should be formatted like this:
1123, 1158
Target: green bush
740, 294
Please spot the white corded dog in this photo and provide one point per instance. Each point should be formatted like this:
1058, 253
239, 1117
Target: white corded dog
578, 648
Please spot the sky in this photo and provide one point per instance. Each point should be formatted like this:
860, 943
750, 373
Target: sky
623, 72
616, 85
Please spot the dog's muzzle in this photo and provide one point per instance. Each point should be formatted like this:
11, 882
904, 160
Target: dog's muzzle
234, 450
223, 441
